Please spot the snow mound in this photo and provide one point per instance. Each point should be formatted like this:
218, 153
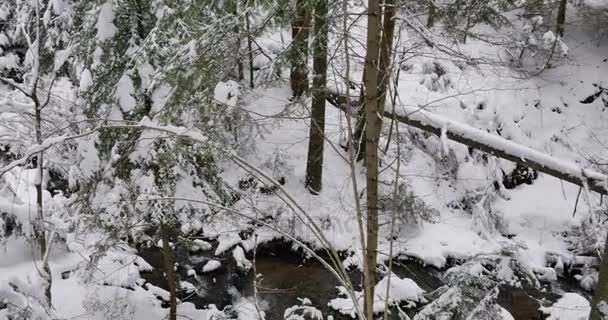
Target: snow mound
570, 306
400, 290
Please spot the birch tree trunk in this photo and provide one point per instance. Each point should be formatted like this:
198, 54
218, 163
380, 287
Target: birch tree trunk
372, 134
314, 163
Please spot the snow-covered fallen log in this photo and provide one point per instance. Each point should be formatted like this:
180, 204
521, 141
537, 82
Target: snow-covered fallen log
495, 145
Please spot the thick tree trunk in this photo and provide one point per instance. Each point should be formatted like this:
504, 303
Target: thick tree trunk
314, 164
299, 49
600, 296
372, 134
169, 272
561, 17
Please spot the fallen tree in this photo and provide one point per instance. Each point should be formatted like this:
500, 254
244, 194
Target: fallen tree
492, 144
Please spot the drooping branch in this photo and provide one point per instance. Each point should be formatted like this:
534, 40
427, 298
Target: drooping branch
494, 145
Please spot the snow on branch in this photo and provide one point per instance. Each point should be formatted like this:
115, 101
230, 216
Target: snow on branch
144, 124
497, 146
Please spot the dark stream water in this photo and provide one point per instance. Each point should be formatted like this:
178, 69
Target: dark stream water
286, 275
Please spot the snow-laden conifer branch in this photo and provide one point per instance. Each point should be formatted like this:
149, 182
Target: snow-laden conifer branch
497, 146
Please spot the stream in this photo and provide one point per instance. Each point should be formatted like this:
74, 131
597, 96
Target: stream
286, 275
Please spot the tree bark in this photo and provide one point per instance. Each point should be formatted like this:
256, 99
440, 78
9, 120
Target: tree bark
249, 48
169, 272
299, 63
600, 295
314, 164
39, 227
561, 17
359, 136
432, 12
372, 134
386, 48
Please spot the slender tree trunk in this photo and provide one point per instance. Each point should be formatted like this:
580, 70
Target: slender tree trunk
239, 64
314, 164
431, 18
386, 48
299, 65
39, 227
249, 47
600, 296
372, 134
561, 17
359, 136
169, 272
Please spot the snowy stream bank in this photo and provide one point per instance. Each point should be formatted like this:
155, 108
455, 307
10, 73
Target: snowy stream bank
286, 276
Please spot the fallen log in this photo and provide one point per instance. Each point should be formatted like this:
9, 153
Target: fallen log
492, 144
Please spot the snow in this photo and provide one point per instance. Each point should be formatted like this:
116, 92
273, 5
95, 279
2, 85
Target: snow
61, 57
211, 266
401, 290
105, 22
571, 306
198, 244
124, 93
241, 261
596, 4
227, 93
86, 81
226, 241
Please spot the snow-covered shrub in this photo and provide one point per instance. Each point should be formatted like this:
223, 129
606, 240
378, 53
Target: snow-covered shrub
411, 209
171, 80
21, 300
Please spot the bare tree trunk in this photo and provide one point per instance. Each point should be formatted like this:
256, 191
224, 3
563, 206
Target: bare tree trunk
314, 164
372, 134
299, 65
386, 48
169, 272
599, 305
234, 10
359, 136
561, 17
432, 12
249, 47
39, 227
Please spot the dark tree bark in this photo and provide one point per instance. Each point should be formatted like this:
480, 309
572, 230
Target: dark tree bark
561, 17
386, 48
249, 49
372, 134
432, 12
169, 272
299, 63
314, 164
